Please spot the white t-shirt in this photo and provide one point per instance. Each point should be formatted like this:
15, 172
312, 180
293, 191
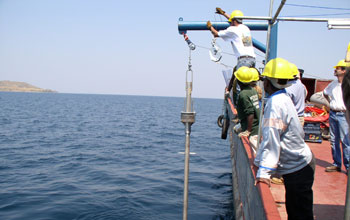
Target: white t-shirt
240, 38
335, 93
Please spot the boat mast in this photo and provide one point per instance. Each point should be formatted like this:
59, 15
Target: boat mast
267, 55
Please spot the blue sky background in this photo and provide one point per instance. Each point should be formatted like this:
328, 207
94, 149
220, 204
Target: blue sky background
133, 47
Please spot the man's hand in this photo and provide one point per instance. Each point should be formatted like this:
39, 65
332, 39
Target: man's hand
209, 25
245, 133
219, 11
263, 180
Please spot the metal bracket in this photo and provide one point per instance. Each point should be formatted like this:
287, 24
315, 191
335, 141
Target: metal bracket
188, 117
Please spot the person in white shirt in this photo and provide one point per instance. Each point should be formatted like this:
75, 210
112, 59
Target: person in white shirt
339, 128
283, 149
240, 38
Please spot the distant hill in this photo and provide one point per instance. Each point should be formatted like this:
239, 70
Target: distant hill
11, 86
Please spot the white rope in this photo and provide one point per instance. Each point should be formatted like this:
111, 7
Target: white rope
231, 54
207, 48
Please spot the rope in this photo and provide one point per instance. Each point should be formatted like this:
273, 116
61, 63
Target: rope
312, 6
189, 62
207, 48
231, 54
318, 7
316, 15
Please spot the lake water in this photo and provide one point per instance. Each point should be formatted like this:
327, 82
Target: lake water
74, 156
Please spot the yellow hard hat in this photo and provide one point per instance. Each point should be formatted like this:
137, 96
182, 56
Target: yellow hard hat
342, 63
255, 74
295, 70
244, 74
234, 14
278, 68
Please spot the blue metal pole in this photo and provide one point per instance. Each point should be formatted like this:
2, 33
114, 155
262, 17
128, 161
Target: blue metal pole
258, 45
273, 42
184, 26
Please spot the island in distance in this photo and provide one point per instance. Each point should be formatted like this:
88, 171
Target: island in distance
11, 86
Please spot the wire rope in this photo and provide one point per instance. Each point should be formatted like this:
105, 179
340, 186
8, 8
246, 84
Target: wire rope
320, 7
316, 15
231, 54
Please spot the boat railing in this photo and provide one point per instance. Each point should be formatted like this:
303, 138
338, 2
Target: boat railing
251, 200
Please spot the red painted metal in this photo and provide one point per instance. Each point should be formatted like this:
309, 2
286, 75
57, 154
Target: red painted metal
329, 188
267, 198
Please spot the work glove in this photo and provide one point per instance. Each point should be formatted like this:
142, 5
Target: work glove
209, 25
245, 133
220, 11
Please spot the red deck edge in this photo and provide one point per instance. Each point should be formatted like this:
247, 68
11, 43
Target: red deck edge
329, 188
267, 198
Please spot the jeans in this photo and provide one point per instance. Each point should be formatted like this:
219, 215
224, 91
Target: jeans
339, 131
245, 61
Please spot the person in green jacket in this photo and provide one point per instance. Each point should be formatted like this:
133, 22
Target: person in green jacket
248, 105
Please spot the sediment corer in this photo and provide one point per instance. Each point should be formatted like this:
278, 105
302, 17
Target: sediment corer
191, 45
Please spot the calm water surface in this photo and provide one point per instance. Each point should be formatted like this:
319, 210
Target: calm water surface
70, 156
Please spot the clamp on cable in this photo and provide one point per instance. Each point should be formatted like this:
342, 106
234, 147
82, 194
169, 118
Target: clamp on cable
191, 45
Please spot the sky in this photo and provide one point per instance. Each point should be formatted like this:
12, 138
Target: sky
134, 48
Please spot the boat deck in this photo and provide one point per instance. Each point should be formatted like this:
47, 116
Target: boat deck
329, 188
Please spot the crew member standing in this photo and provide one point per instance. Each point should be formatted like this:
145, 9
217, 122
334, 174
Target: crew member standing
339, 127
248, 105
240, 38
283, 149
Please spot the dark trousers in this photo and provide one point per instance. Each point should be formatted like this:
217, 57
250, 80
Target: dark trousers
299, 194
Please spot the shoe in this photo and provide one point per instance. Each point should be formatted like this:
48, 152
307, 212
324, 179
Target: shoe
277, 181
333, 169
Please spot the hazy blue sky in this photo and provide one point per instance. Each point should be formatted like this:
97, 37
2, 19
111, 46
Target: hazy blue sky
133, 47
